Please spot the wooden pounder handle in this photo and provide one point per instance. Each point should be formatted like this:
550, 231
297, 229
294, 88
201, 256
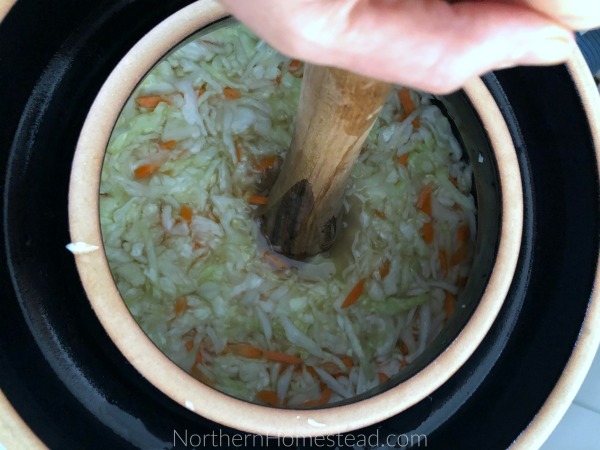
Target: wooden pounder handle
336, 112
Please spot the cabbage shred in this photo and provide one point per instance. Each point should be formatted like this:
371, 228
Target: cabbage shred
180, 183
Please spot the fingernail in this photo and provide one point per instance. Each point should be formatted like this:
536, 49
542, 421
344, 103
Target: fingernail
552, 50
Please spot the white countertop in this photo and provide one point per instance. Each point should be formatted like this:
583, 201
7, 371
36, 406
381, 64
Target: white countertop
579, 429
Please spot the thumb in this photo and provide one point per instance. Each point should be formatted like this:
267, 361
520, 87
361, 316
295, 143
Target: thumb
427, 44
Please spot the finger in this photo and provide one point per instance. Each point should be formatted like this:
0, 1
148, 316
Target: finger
427, 44
576, 14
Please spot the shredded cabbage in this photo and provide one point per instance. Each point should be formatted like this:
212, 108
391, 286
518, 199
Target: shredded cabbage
185, 247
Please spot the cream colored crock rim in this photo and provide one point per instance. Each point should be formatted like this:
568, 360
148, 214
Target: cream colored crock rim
176, 383
5, 6
578, 365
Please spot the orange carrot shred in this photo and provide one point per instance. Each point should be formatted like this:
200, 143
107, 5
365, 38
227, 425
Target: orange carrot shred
449, 304
403, 159
255, 199
145, 170
427, 232
462, 234
311, 370
407, 103
268, 397
266, 162
424, 199
231, 93
348, 362
294, 66
199, 357
238, 152
189, 345
354, 294
403, 348
383, 377
275, 261
168, 145
277, 80
150, 101
245, 350
282, 358
180, 305
202, 90
322, 400
416, 123
443, 256
454, 181
379, 214
186, 213
459, 256
199, 375
384, 269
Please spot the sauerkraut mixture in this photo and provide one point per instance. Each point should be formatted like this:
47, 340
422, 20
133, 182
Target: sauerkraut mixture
190, 160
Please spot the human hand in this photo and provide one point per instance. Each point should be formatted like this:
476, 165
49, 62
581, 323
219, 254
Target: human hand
426, 44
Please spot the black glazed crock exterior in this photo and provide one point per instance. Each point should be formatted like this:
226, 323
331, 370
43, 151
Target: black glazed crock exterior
72, 386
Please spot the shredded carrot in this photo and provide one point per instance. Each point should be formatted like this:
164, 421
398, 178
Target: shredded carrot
424, 199
275, 261
462, 234
180, 305
186, 213
266, 162
322, 400
282, 358
443, 256
449, 304
202, 90
348, 362
199, 375
379, 214
407, 103
268, 397
245, 350
199, 357
277, 80
168, 145
427, 232
383, 377
167, 172
294, 66
403, 348
384, 269
354, 294
238, 152
311, 370
454, 181
416, 123
255, 199
145, 170
189, 345
403, 159
459, 256
198, 245
150, 101
231, 93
